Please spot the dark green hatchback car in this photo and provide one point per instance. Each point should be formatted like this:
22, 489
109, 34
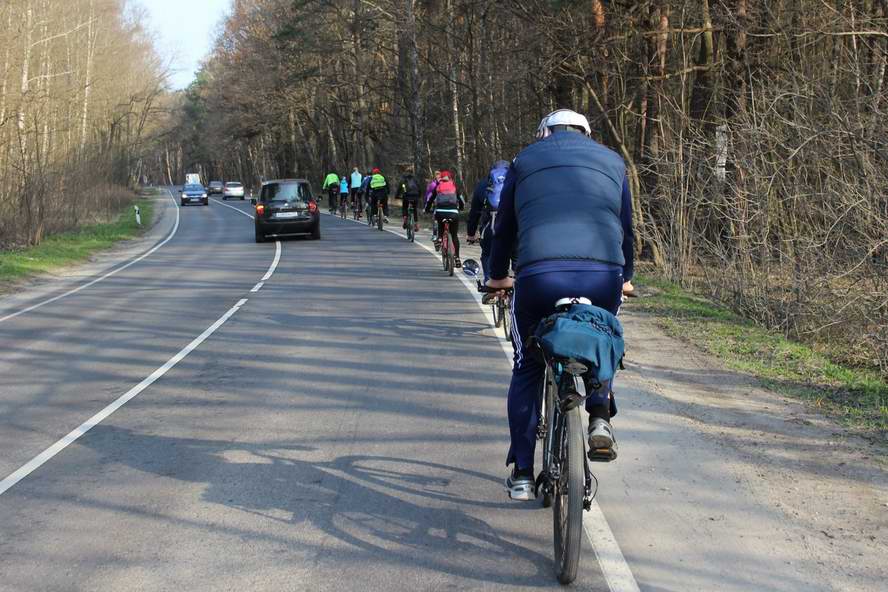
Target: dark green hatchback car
286, 207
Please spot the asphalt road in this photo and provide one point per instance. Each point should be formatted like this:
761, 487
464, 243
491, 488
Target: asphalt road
342, 426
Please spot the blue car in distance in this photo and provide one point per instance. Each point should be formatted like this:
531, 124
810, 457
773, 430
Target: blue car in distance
194, 194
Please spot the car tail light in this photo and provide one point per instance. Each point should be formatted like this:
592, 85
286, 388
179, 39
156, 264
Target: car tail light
312, 207
260, 209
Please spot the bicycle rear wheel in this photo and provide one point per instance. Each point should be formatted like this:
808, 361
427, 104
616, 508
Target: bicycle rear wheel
411, 222
567, 512
507, 320
497, 318
379, 219
445, 252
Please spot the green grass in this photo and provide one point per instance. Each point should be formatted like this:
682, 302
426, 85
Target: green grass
60, 250
857, 396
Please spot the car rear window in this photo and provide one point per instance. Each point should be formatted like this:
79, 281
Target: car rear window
285, 192
233, 185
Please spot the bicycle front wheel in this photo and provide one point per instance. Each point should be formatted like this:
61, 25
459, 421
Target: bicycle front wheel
568, 503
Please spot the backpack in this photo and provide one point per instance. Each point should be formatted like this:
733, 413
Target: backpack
588, 334
411, 187
445, 196
495, 184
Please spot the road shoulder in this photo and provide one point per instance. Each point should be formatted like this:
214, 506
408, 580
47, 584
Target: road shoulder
13, 294
829, 486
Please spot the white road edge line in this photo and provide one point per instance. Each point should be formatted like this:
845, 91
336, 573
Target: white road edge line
103, 277
238, 210
257, 287
610, 557
36, 462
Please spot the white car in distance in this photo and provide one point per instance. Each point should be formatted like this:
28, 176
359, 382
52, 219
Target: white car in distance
233, 190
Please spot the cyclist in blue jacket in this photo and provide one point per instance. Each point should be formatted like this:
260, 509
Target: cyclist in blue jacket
567, 198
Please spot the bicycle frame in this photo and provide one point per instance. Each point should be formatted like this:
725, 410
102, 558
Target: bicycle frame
559, 395
447, 256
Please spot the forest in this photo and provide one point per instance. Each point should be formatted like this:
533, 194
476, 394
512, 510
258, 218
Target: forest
754, 131
81, 87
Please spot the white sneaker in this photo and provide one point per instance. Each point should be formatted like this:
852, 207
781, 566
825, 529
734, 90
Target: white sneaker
602, 444
521, 486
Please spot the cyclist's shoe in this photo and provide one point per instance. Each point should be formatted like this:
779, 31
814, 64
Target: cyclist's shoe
384, 219
521, 485
457, 263
602, 444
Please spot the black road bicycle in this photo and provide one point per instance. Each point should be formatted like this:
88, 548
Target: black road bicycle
448, 249
566, 483
411, 223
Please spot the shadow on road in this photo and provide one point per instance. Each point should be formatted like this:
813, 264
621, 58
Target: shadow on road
393, 511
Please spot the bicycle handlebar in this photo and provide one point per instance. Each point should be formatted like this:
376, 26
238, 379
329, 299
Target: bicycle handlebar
488, 290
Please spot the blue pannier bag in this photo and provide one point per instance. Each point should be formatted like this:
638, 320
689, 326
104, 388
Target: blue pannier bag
587, 334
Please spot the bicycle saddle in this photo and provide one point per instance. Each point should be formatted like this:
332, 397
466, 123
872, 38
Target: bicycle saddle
564, 302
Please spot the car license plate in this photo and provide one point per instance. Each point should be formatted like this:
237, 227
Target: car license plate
287, 215
196, 198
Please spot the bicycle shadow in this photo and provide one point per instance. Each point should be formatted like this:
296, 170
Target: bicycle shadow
390, 510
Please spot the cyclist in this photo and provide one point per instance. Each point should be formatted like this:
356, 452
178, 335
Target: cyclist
343, 190
485, 201
365, 189
429, 192
356, 179
331, 186
568, 197
447, 203
379, 191
408, 193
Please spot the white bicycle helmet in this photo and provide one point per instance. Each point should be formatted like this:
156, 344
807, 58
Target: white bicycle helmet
562, 117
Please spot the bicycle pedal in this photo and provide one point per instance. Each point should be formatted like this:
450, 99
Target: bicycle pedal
602, 455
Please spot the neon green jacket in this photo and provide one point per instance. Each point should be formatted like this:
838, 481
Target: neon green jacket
377, 181
330, 180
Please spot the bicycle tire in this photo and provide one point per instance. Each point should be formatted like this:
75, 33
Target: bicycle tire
379, 219
567, 507
445, 249
411, 234
507, 321
497, 320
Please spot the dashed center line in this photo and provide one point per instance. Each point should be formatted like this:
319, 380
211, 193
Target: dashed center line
38, 461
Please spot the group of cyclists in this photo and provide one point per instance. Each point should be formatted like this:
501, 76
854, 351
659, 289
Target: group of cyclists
559, 215
441, 197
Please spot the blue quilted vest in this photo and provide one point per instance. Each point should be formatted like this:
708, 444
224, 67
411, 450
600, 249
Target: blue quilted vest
568, 197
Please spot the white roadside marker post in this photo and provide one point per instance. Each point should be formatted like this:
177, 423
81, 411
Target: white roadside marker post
138, 215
